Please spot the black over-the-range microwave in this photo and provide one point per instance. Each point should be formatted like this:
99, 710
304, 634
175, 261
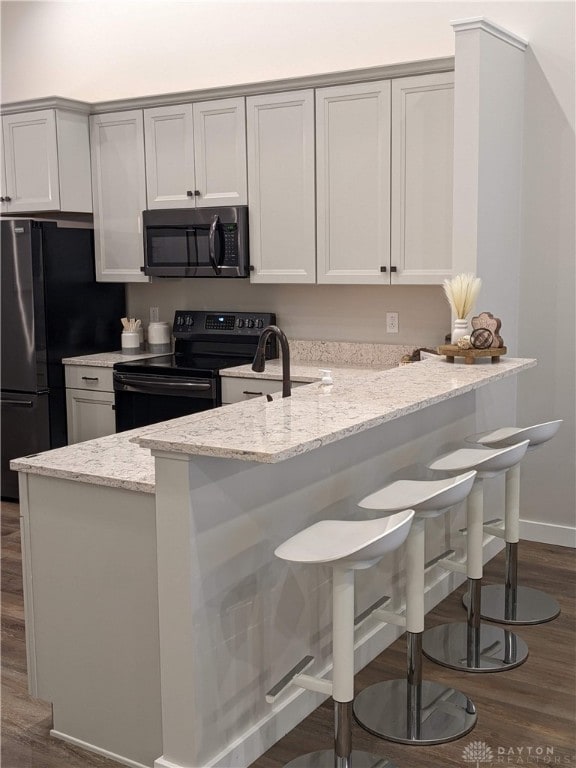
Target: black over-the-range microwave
196, 242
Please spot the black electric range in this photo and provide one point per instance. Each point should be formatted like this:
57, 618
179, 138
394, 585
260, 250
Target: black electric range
166, 387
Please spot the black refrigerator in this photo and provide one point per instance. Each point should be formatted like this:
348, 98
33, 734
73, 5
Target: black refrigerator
52, 307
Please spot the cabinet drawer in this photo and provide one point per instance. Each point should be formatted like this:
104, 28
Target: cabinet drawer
89, 377
234, 390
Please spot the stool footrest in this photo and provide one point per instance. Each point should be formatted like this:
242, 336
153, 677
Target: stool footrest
452, 565
438, 558
288, 678
496, 522
311, 683
495, 528
370, 610
390, 617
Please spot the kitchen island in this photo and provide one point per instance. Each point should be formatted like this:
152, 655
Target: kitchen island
157, 614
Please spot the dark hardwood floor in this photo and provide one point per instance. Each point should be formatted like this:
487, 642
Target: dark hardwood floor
520, 712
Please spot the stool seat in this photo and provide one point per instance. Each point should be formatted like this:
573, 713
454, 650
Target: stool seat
473, 647
353, 544
345, 546
537, 434
488, 461
510, 603
413, 710
428, 498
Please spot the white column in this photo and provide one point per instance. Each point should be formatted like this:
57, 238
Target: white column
486, 235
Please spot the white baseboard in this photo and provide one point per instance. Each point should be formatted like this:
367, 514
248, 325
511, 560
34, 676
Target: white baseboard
286, 715
98, 750
548, 533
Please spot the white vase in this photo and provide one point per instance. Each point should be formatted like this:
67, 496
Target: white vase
460, 329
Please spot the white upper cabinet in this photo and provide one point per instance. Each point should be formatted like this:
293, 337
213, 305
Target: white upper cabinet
220, 152
169, 138
422, 152
196, 154
280, 134
353, 183
46, 162
119, 187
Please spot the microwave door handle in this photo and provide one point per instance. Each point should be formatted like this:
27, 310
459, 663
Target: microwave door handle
212, 244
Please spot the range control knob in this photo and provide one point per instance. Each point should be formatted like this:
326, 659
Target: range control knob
240, 323
250, 323
259, 323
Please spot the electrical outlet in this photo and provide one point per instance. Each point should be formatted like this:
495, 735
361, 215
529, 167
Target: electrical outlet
391, 322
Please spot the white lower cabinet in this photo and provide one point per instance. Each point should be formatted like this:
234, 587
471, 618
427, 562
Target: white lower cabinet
89, 403
238, 389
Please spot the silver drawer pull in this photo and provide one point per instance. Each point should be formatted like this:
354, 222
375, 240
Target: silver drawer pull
89, 378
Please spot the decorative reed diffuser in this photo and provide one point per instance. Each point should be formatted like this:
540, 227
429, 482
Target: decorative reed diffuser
461, 292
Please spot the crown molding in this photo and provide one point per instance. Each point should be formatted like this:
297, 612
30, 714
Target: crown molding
48, 102
479, 22
425, 66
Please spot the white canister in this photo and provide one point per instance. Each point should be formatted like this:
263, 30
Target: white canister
159, 337
130, 341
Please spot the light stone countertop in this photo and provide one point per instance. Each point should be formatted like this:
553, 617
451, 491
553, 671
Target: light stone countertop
108, 359
269, 432
257, 430
113, 461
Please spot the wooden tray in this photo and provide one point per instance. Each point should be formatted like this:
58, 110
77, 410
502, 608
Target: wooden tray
452, 350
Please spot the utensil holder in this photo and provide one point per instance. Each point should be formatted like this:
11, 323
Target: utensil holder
130, 341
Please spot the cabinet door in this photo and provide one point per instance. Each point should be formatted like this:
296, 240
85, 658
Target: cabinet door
31, 161
90, 415
422, 156
353, 177
169, 135
281, 187
119, 191
220, 152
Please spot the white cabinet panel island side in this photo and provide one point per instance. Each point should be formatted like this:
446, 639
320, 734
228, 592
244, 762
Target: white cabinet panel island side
157, 614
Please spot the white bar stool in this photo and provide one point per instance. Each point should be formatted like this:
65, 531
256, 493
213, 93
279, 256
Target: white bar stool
345, 546
509, 603
411, 711
475, 647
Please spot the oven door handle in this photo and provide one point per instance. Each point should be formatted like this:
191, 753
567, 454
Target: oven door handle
160, 385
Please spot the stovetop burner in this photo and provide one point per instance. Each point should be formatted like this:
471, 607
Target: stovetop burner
182, 365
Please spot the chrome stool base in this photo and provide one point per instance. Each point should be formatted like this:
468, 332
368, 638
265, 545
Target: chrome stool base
442, 713
531, 606
485, 649
326, 759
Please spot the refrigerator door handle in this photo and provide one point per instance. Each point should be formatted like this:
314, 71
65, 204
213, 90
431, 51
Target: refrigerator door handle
21, 403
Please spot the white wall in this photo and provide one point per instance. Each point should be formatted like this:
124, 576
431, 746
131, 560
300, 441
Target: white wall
96, 50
